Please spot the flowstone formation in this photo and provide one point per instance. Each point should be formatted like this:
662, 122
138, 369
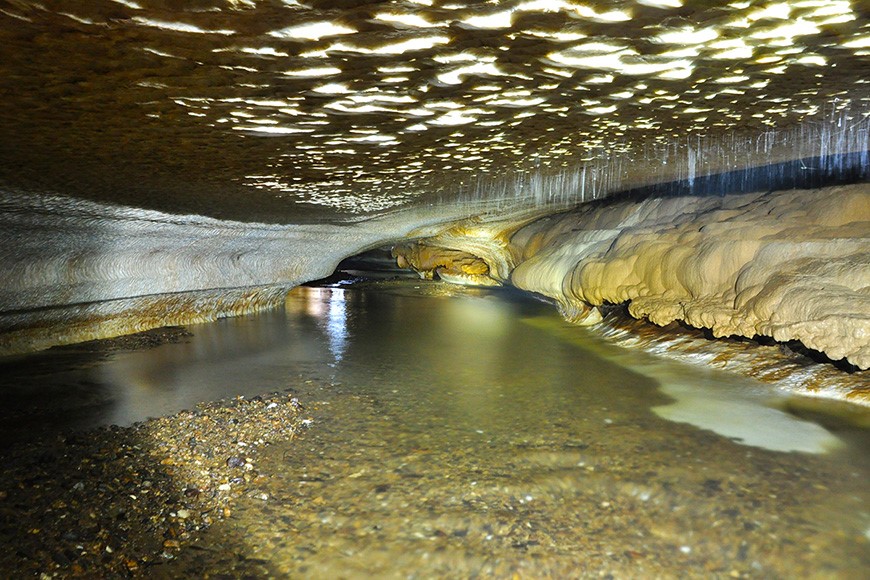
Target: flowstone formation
791, 265
788, 265
453, 266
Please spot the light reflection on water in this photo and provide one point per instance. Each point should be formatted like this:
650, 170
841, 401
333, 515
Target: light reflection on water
336, 328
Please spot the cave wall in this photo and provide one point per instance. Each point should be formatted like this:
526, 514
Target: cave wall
76, 270
790, 265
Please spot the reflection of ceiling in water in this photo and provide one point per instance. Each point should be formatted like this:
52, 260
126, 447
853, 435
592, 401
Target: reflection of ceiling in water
239, 108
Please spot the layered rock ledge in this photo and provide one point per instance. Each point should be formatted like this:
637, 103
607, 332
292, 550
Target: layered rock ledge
76, 270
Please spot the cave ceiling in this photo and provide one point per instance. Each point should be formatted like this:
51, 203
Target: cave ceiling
282, 110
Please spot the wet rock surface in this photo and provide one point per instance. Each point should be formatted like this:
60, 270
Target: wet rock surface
116, 502
286, 110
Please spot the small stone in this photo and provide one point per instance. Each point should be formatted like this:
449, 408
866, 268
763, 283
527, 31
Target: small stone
183, 514
132, 565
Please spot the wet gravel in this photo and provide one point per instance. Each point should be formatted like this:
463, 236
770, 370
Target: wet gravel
116, 502
377, 489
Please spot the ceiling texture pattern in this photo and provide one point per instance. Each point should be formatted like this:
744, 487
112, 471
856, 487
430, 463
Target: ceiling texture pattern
282, 111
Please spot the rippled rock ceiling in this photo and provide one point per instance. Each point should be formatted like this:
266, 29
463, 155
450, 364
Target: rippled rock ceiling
283, 111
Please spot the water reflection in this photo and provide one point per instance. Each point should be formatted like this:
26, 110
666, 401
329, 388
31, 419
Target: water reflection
245, 356
69, 389
726, 404
399, 335
328, 307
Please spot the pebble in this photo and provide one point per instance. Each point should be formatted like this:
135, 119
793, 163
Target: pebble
66, 498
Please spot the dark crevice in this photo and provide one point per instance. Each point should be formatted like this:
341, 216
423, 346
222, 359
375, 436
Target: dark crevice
791, 348
376, 264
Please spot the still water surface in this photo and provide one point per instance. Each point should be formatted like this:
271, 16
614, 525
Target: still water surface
461, 431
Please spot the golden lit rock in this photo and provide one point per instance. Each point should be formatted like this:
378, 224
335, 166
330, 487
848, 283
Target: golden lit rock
791, 265
788, 265
449, 265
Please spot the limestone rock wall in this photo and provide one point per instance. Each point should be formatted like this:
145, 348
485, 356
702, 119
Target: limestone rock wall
792, 265
75, 270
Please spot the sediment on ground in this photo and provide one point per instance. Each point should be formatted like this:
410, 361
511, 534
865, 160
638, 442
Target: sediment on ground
116, 502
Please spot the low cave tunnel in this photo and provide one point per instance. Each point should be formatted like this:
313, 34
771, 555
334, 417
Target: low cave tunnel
435, 288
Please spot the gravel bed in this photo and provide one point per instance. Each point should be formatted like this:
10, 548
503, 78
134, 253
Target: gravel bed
115, 502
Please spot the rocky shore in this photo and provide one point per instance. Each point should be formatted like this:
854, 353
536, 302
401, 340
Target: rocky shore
118, 502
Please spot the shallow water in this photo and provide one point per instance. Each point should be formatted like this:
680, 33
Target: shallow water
458, 432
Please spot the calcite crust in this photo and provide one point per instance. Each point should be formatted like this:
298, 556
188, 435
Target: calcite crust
791, 265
